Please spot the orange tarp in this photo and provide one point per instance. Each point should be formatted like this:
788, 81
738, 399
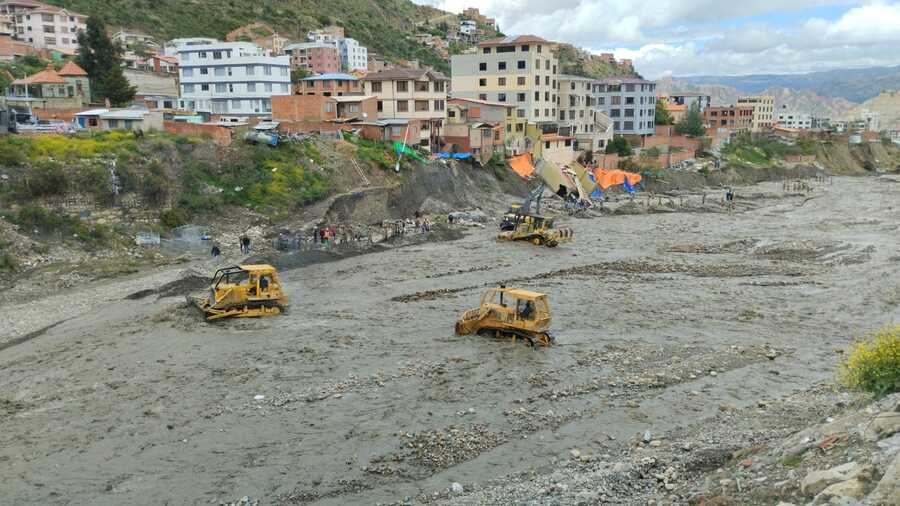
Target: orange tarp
522, 165
607, 178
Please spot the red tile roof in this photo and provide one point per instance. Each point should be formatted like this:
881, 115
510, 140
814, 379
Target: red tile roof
72, 69
46, 76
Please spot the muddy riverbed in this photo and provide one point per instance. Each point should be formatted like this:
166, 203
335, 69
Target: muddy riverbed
362, 394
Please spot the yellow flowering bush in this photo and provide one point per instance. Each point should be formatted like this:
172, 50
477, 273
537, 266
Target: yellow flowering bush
874, 362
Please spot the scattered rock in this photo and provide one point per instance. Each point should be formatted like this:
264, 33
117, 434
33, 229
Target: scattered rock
883, 425
854, 489
818, 481
456, 488
647, 436
575, 453
888, 489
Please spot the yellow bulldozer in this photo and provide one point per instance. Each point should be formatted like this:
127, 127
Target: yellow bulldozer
243, 291
510, 313
538, 230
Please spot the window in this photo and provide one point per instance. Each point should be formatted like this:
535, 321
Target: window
422, 86
562, 115
187, 72
329, 107
482, 67
482, 82
201, 54
601, 101
547, 112
204, 71
508, 128
220, 71
554, 69
486, 50
204, 87
237, 104
547, 64
547, 145
546, 96
438, 105
615, 100
251, 87
521, 64
188, 88
537, 96
268, 87
520, 113
396, 131
284, 87
249, 69
568, 142
537, 80
113, 123
49, 29
629, 100
520, 97
220, 88
379, 106
451, 113
629, 87
482, 96
284, 71
546, 80
539, 48
501, 97
524, 48
506, 49
402, 105
439, 86
501, 81
501, 65
520, 80
217, 55
520, 127
421, 105
572, 85
47, 18
376, 86
402, 86
537, 112
629, 125
615, 113
50, 41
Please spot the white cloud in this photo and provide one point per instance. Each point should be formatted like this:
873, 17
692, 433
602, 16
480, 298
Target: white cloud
689, 37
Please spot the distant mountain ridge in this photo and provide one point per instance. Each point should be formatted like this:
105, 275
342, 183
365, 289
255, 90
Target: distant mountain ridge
795, 100
855, 85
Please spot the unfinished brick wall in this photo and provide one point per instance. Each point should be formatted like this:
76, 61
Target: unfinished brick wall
220, 135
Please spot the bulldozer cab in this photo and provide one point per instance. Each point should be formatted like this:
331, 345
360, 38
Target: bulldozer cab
255, 281
517, 305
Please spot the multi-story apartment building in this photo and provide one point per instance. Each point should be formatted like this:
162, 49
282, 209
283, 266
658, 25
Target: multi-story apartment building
43, 26
316, 57
793, 119
630, 102
413, 95
353, 56
579, 116
231, 78
732, 117
520, 71
763, 111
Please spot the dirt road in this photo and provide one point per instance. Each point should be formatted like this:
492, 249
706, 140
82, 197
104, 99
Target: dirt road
660, 320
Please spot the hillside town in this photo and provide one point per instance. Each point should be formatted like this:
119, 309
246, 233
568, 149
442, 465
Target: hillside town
505, 96
358, 252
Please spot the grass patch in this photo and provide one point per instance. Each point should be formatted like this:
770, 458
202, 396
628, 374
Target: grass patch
874, 363
792, 461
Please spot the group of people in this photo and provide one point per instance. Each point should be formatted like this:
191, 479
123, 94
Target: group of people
243, 245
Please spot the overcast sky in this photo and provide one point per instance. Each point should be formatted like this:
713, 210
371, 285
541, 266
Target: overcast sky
695, 37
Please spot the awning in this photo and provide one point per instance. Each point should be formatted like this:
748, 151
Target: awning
607, 178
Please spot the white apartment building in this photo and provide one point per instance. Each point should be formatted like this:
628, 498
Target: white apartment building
41, 25
353, 56
794, 120
630, 102
578, 115
231, 78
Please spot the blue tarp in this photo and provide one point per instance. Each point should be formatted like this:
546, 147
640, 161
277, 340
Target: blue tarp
628, 187
597, 194
456, 156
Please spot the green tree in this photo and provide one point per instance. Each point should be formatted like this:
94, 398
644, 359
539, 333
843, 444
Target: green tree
298, 74
692, 123
662, 115
619, 145
102, 60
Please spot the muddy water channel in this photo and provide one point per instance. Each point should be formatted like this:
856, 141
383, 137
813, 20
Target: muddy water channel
362, 394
